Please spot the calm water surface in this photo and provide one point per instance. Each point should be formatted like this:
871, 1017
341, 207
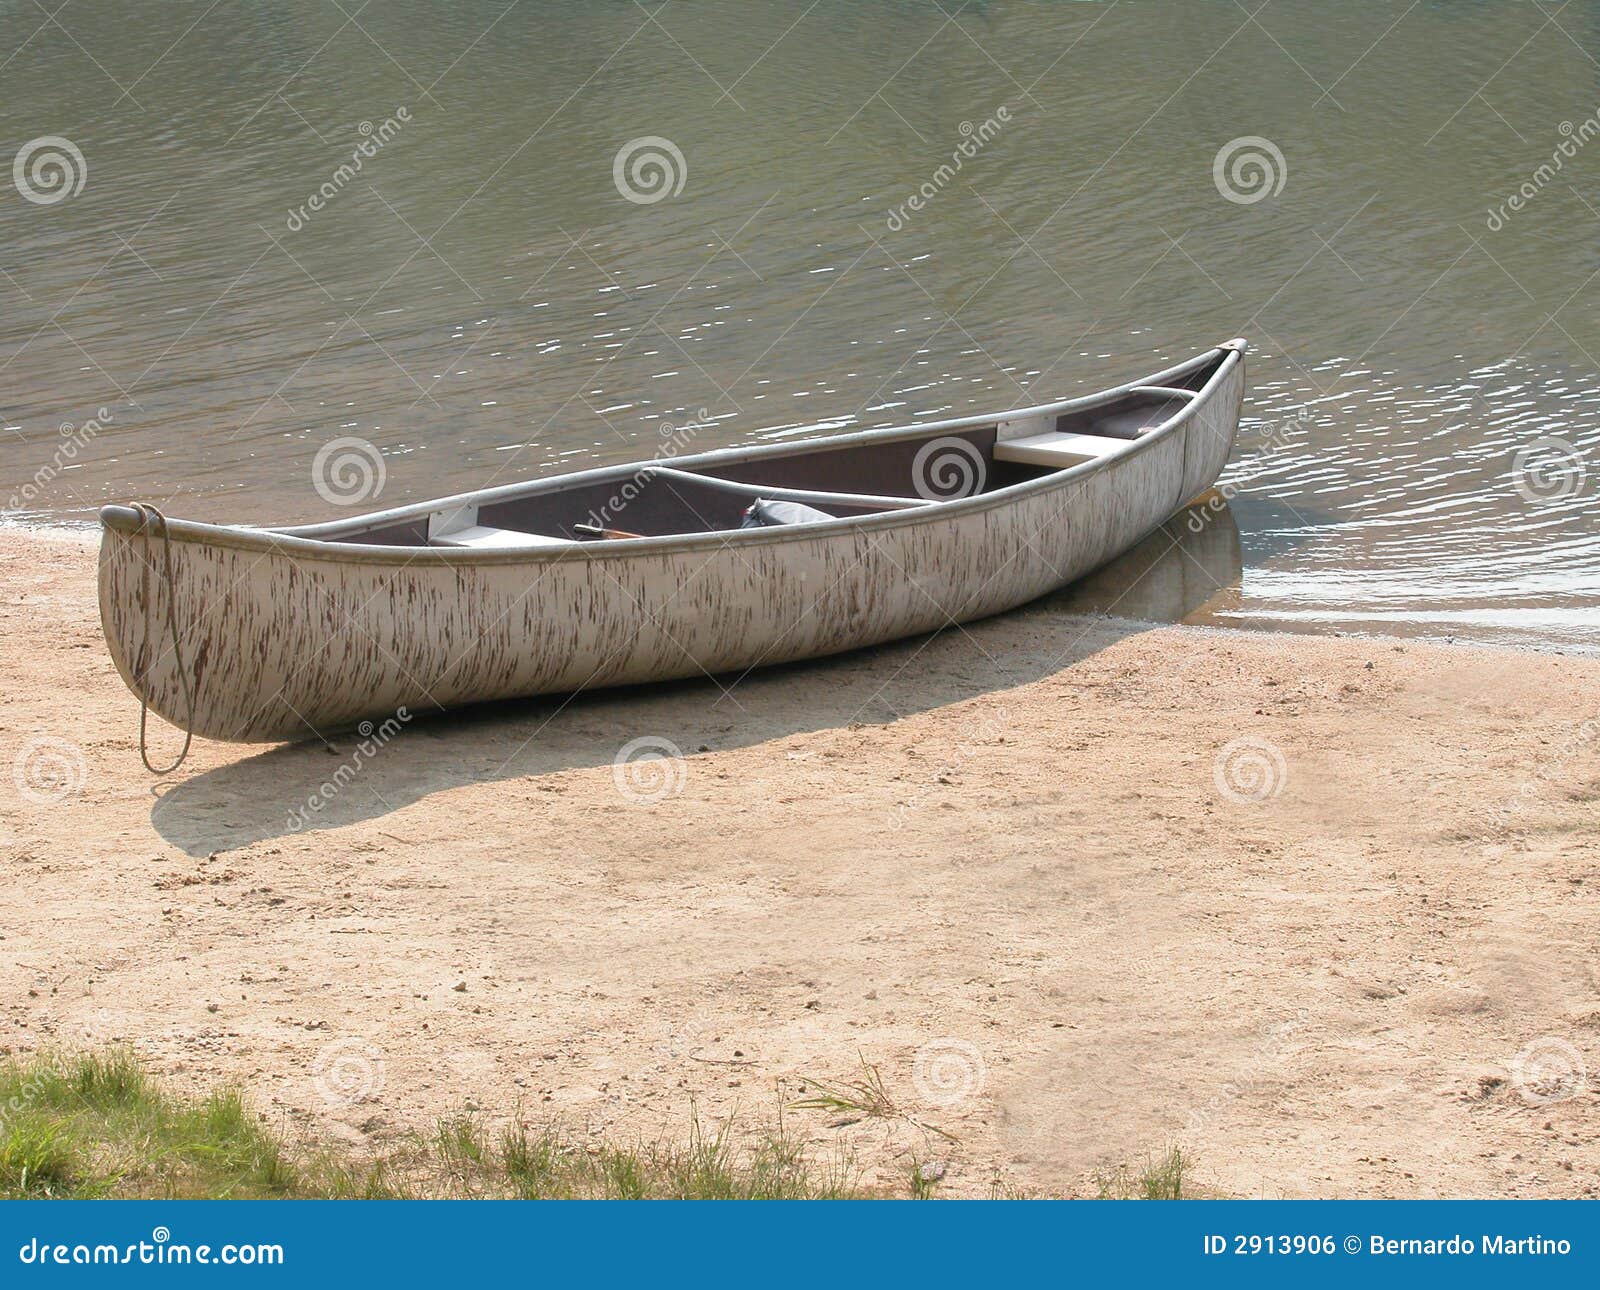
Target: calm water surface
482, 303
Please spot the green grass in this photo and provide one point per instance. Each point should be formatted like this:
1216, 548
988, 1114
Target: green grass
544, 1164
861, 1099
97, 1125
1164, 1177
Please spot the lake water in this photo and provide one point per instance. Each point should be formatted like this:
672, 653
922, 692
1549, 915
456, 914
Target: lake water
482, 302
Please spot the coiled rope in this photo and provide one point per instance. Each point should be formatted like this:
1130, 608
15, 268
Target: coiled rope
152, 523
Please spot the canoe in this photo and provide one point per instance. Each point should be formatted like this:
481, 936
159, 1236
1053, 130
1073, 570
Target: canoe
258, 634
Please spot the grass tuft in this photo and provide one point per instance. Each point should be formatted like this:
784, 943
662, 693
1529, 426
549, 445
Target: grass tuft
922, 1182
865, 1097
1164, 1177
860, 1099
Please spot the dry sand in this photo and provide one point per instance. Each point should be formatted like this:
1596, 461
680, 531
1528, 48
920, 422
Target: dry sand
997, 864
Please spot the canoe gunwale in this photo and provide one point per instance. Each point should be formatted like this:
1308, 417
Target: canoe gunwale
298, 541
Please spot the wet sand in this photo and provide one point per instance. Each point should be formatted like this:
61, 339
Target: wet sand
1323, 911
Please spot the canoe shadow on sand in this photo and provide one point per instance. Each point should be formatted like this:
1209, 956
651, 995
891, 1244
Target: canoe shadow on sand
1189, 569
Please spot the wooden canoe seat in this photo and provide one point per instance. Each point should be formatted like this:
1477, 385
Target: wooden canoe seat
479, 538
1072, 438
1057, 449
459, 527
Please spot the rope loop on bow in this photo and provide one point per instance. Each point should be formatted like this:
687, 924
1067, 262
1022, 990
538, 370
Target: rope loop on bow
153, 524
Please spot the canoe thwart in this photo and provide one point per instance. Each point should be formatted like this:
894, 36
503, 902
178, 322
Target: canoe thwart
479, 538
1059, 450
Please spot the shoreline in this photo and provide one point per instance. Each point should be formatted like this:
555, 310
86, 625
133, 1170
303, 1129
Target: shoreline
86, 533
1079, 887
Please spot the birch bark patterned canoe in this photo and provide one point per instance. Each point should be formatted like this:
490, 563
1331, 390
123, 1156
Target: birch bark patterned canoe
270, 634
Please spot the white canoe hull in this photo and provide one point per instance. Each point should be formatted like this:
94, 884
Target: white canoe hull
284, 636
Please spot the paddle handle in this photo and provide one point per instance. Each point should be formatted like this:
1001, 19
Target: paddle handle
594, 530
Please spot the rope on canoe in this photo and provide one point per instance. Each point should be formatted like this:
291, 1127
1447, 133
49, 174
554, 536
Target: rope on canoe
152, 523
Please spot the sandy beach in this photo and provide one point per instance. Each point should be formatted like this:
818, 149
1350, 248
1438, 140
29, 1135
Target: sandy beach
1324, 911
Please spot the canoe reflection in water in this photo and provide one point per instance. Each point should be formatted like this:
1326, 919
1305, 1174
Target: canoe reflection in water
1186, 571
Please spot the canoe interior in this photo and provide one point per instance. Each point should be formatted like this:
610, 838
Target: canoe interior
855, 478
